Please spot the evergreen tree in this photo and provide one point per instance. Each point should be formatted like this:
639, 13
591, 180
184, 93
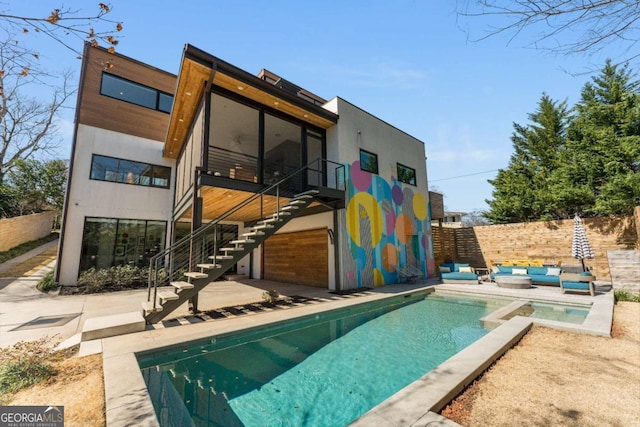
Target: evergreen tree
522, 190
600, 172
587, 163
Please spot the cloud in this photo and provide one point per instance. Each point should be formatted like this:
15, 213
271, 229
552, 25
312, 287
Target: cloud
383, 75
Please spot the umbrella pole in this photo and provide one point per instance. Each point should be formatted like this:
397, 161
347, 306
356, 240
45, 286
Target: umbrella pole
583, 267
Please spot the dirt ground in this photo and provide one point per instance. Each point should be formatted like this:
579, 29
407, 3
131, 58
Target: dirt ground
556, 378
29, 267
78, 386
550, 378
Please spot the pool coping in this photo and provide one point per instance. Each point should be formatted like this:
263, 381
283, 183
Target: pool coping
127, 400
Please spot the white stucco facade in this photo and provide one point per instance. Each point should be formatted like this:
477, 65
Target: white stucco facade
357, 129
92, 198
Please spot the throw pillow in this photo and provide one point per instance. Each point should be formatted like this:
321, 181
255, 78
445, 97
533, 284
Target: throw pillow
495, 270
521, 271
466, 270
445, 270
553, 271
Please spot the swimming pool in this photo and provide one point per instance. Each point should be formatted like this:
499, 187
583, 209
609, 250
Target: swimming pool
325, 369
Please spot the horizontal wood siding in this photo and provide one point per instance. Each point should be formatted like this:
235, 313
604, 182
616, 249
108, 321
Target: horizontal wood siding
549, 241
116, 115
301, 257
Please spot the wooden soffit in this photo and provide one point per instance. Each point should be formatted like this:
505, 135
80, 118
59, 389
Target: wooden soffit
199, 68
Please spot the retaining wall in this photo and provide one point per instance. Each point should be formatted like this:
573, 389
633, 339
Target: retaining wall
18, 230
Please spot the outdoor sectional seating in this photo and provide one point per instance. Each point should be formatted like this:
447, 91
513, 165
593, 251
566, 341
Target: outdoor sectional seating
458, 273
539, 275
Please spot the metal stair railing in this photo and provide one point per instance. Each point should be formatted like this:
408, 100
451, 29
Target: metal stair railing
192, 252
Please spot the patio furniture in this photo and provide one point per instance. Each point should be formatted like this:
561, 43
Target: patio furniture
514, 282
458, 273
574, 282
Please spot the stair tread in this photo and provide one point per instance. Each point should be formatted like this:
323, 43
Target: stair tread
208, 266
235, 242
288, 208
306, 193
150, 307
296, 202
182, 285
214, 257
232, 249
253, 233
261, 227
167, 295
196, 275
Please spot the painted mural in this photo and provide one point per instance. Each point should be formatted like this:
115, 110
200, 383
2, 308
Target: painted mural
387, 228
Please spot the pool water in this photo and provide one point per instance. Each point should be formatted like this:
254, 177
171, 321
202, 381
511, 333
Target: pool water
560, 313
327, 370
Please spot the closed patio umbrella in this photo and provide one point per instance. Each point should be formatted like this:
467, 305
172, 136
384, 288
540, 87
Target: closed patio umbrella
580, 248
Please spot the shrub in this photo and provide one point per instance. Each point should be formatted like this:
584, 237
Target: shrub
622, 295
47, 283
25, 364
113, 279
270, 296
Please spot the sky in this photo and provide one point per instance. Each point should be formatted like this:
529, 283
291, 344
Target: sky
414, 64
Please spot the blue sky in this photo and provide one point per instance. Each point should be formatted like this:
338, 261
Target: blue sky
408, 62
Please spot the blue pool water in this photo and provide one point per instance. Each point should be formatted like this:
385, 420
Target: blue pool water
560, 313
326, 370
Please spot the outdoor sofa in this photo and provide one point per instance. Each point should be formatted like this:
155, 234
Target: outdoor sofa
458, 273
538, 275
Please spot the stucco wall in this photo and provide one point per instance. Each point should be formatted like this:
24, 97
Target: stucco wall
21, 229
91, 198
385, 225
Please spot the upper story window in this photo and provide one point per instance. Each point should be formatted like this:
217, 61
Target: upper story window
406, 174
368, 161
135, 93
111, 169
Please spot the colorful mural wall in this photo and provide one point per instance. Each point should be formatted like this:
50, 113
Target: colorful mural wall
387, 228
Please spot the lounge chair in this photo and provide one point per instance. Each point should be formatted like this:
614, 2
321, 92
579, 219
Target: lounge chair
577, 283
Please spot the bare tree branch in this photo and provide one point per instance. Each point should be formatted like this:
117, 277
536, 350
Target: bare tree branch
62, 24
27, 125
563, 26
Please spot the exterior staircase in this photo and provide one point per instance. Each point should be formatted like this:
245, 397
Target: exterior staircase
184, 285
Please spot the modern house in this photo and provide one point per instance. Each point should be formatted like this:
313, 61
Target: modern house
218, 170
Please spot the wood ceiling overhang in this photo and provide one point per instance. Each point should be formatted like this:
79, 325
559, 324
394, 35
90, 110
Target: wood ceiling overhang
199, 69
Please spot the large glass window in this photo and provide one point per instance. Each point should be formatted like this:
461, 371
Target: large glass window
135, 93
368, 161
108, 242
282, 148
406, 174
104, 168
233, 139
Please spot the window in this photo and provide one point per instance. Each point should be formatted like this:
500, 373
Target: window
108, 242
368, 161
111, 169
135, 93
406, 174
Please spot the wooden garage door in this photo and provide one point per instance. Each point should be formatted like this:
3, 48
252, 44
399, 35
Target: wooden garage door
301, 257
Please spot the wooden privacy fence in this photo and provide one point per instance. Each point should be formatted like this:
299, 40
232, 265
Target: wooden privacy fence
547, 240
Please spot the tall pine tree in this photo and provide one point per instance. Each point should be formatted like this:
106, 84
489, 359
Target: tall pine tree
600, 172
522, 190
586, 163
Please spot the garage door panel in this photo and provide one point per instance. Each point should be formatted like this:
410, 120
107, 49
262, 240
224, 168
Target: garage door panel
301, 257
